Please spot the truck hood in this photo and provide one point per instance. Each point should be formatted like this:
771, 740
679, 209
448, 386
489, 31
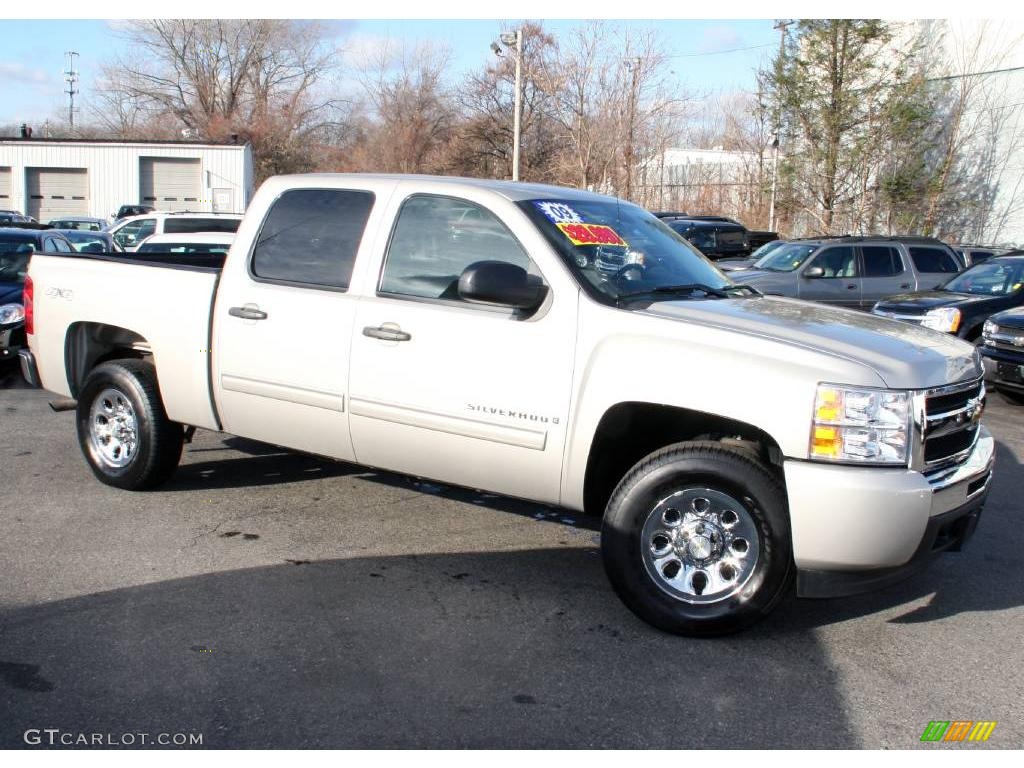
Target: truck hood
1011, 318
10, 293
921, 302
903, 355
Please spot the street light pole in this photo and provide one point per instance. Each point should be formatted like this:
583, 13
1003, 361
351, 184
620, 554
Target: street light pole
516, 120
775, 168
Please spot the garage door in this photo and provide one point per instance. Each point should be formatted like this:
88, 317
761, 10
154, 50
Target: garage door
170, 183
55, 192
6, 203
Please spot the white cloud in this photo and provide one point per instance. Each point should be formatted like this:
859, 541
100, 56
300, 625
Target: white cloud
14, 71
721, 37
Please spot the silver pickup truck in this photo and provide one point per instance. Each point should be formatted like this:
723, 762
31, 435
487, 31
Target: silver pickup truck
463, 330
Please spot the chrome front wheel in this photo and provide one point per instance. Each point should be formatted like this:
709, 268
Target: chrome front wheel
700, 545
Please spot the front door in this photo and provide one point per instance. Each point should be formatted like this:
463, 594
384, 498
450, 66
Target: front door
283, 325
840, 285
465, 393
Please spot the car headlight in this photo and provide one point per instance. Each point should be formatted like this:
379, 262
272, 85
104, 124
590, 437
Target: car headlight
989, 330
945, 319
855, 424
11, 313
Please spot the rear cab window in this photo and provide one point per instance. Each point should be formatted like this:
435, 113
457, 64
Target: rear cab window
177, 226
310, 238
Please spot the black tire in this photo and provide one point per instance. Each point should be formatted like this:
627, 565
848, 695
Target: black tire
157, 448
684, 468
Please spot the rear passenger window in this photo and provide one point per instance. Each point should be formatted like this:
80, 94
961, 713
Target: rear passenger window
933, 260
436, 238
177, 226
881, 261
311, 236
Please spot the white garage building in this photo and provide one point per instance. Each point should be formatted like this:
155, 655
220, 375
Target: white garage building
49, 178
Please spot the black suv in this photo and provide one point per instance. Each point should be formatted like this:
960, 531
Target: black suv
1002, 351
715, 236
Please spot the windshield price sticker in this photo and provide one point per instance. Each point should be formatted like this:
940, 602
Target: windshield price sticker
559, 212
590, 234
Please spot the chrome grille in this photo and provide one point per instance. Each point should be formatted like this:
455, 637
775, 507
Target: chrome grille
1008, 339
951, 424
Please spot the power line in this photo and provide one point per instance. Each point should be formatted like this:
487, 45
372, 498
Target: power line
973, 74
715, 53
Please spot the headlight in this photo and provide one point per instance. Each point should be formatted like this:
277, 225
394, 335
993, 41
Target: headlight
853, 424
11, 313
988, 330
945, 319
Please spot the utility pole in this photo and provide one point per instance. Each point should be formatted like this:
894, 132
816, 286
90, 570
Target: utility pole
780, 25
71, 78
515, 41
633, 65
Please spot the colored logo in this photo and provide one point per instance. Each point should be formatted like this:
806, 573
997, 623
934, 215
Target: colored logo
958, 730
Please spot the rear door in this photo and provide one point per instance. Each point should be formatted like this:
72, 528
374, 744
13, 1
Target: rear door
283, 323
841, 284
934, 265
884, 274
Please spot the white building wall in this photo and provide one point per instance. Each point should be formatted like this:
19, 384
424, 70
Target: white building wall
114, 169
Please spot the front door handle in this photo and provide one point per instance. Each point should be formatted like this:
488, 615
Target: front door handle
387, 332
905, 286
851, 287
248, 312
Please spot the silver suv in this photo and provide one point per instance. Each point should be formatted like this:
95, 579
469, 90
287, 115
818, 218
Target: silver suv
853, 272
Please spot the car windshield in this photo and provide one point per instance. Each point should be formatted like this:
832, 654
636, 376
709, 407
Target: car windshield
185, 248
14, 258
786, 257
619, 249
765, 249
87, 242
992, 278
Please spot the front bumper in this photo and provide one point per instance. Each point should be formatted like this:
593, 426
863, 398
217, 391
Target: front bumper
865, 527
1003, 369
12, 338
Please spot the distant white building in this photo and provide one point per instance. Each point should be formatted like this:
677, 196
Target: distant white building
49, 178
697, 181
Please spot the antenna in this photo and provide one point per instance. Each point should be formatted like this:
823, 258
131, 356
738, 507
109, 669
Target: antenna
71, 78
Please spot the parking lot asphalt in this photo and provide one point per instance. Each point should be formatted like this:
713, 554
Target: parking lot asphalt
265, 598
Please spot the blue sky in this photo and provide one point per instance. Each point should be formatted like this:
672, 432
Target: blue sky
32, 52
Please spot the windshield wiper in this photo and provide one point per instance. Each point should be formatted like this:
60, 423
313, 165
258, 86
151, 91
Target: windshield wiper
685, 288
741, 287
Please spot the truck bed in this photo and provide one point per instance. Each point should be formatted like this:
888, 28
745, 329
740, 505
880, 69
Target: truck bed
160, 302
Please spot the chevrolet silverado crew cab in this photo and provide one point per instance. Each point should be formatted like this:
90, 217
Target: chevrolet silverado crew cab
463, 330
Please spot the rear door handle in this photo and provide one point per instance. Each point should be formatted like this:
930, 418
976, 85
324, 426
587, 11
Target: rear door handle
387, 332
248, 312
851, 287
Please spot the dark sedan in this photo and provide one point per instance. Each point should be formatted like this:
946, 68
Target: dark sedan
16, 247
1003, 353
90, 242
962, 305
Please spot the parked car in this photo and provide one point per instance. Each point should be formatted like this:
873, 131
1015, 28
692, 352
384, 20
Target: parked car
1002, 352
852, 272
187, 243
669, 214
760, 237
10, 218
127, 211
87, 223
348, 321
16, 248
976, 254
131, 232
731, 265
716, 238
85, 241
962, 305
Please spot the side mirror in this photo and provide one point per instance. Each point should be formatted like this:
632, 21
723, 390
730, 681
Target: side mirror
814, 272
498, 282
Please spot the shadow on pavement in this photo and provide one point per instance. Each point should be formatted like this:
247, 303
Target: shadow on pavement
511, 649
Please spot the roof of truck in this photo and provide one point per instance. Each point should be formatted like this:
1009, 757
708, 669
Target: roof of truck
511, 190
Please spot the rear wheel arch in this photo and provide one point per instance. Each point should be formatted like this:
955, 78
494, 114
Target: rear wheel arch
88, 344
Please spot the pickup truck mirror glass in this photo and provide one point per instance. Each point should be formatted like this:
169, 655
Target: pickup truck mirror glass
498, 282
813, 272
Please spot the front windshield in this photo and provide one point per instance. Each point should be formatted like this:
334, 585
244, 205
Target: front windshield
765, 249
786, 257
991, 278
620, 249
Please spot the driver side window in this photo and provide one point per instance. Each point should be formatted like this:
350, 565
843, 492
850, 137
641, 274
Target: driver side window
436, 238
839, 261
